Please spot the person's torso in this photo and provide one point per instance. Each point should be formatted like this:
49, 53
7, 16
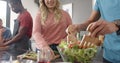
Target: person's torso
52, 32
26, 18
110, 11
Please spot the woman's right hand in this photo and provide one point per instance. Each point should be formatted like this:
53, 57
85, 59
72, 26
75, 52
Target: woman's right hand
72, 29
49, 52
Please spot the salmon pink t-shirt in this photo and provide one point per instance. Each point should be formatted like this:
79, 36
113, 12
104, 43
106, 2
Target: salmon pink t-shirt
50, 33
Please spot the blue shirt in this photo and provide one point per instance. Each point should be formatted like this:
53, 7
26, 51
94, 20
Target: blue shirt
110, 11
7, 33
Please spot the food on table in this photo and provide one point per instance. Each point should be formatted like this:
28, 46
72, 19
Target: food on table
79, 51
28, 55
72, 52
15, 61
31, 55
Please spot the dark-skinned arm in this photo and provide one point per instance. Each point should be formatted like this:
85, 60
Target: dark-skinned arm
22, 31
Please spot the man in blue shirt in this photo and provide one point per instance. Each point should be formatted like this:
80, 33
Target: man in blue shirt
108, 25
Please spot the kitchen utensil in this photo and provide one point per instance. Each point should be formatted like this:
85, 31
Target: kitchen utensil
88, 41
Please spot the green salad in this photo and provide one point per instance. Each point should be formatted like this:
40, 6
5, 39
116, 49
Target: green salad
74, 54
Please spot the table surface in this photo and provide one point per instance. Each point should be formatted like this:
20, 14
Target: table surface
55, 61
97, 59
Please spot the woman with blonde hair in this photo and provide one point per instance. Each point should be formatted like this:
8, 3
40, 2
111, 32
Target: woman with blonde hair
50, 25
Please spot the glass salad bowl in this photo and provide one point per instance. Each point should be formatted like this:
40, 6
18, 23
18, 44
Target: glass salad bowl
72, 53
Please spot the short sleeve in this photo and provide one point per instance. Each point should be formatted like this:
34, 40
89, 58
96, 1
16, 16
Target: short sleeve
25, 20
96, 6
68, 18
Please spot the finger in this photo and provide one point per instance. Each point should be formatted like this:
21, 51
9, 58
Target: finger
102, 32
98, 29
88, 29
52, 53
70, 29
89, 26
95, 25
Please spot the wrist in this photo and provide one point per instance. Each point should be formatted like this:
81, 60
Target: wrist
117, 23
78, 27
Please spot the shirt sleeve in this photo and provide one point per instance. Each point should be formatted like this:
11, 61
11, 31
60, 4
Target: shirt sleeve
25, 21
7, 34
96, 6
37, 36
68, 18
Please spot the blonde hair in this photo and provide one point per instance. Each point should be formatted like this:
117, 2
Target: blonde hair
44, 12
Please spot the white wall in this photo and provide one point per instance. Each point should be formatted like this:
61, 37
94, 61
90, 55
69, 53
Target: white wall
13, 16
93, 1
3, 11
81, 9
30, 6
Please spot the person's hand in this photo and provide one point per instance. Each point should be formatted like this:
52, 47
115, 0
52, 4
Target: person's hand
3, 47
51, 52
7, 39
102, 27
7, 42
72, 29
1, 44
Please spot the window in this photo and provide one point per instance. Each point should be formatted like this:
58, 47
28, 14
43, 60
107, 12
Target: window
3, 6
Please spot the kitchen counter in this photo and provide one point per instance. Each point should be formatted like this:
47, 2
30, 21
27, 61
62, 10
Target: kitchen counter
55, 61
6, 56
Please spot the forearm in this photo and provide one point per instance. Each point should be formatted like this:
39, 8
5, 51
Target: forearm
95, 16
17, 37
83, 26
39, 40
14, 39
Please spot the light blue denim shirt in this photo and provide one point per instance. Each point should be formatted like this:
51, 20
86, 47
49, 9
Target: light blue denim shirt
110, 11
